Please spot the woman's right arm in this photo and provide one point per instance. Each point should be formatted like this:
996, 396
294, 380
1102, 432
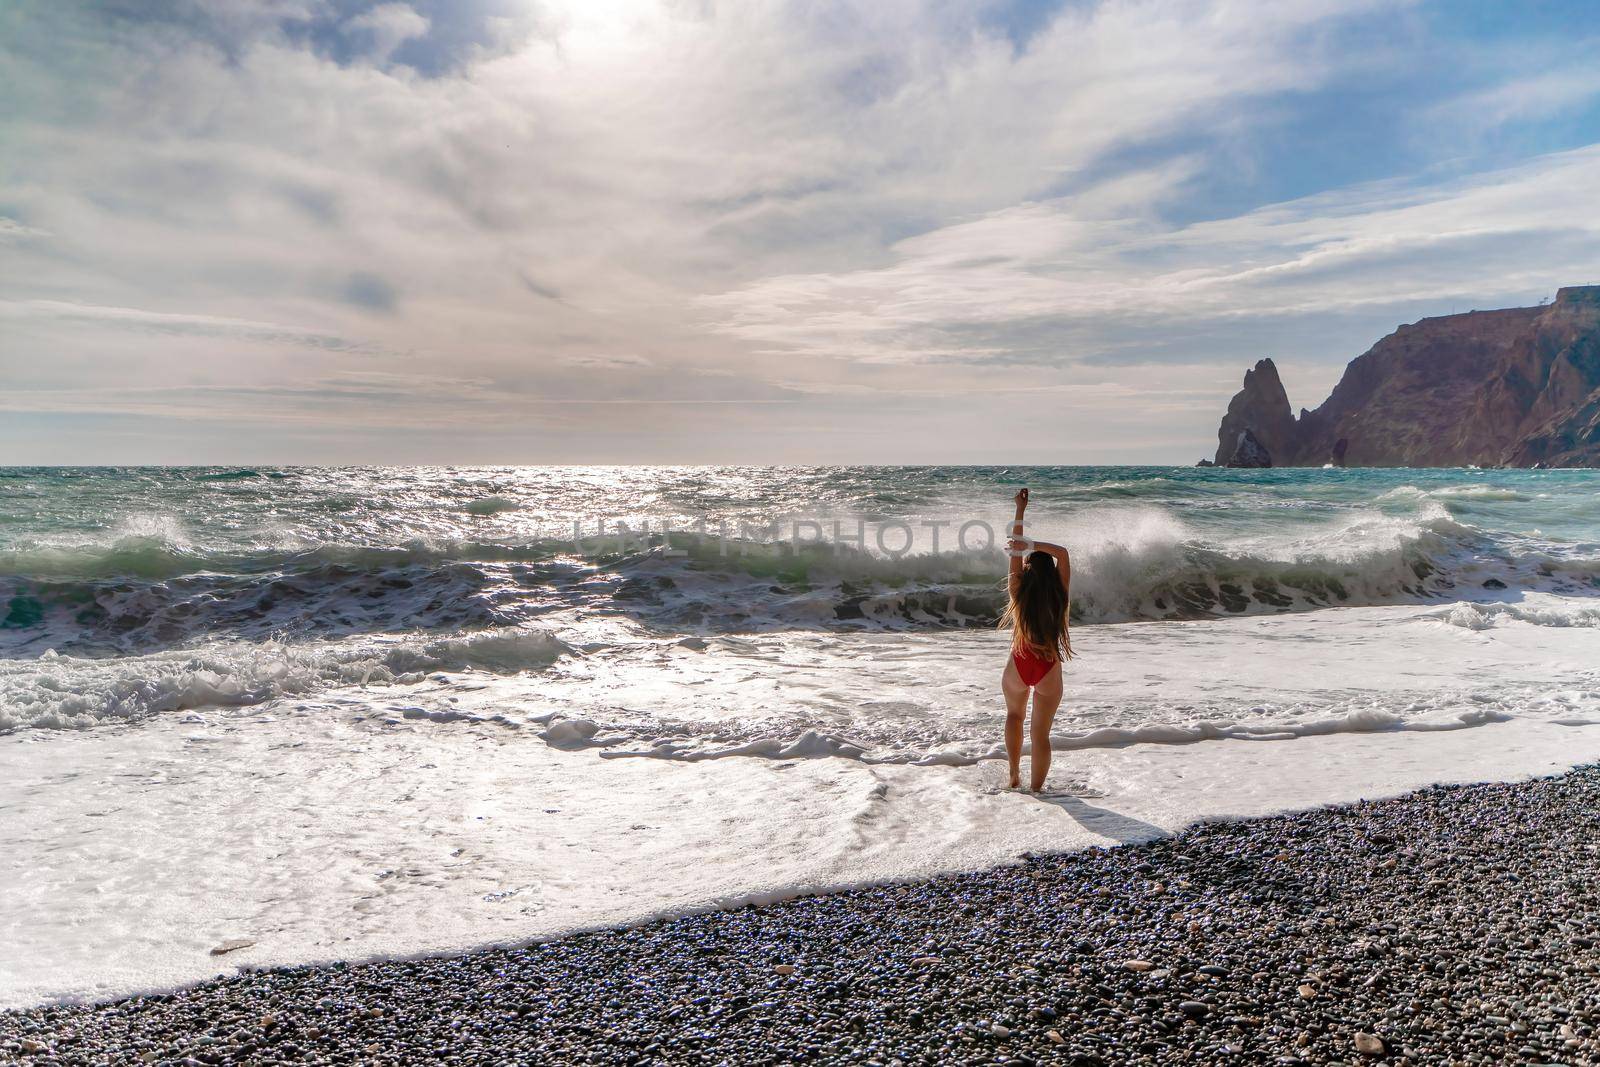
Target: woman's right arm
1014, 539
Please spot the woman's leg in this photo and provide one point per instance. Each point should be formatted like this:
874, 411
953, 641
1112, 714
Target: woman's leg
1016, 691
1046, 698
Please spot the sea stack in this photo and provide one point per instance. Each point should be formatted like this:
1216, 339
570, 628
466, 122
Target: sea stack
1259, 424
1518, 387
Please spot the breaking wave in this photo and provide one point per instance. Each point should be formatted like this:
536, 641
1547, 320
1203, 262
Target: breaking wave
124, 593
1477, 616
146, 592
170, 555
1127, 564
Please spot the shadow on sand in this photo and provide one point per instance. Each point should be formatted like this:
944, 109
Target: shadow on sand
1105, 822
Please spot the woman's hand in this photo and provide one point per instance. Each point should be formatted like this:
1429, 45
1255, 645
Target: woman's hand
1018, 546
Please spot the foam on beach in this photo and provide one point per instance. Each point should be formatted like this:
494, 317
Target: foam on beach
428, 844
476, 806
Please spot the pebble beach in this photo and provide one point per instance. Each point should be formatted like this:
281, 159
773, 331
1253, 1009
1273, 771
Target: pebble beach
1457, 924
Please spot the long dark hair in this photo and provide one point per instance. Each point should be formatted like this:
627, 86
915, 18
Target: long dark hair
1037, 612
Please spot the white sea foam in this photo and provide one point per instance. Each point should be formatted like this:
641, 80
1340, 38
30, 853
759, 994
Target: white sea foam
1455, 492
66, 692
929, 698
491, 505
351, 825
813, 744
1484, 616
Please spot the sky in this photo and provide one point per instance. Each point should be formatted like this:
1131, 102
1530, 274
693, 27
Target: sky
736, 231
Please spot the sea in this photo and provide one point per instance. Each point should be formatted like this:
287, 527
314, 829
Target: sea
268, 716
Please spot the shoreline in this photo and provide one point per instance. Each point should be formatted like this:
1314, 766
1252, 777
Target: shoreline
537, 843
1451, 924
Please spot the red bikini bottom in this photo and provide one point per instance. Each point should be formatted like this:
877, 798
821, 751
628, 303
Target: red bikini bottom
1031, 667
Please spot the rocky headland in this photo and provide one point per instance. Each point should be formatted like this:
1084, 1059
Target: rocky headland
1518, 387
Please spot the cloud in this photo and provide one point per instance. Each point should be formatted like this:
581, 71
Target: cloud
610, 362
12, 230
348, 402
434, 38
384, 28
1537, 96
867, 220
352, 398
173, 323
538, 288
1002, 276
367, 290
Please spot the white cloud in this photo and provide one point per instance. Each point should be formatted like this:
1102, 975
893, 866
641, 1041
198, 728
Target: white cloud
169, 322
1535, 96
384, 28
820, 210
621, 361
1385, 245
12, 230
361, 398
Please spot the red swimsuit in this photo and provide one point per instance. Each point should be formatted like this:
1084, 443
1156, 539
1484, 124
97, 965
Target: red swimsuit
1031, 667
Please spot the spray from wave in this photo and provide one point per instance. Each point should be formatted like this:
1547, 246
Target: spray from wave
1129, 562
173, 589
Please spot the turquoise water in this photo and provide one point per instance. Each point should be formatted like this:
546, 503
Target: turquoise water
250, 510
112, 563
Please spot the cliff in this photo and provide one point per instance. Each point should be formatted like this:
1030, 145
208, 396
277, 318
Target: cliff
1517, 387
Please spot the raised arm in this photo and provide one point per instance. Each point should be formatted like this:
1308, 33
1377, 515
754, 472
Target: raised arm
1013, 542
1063, 562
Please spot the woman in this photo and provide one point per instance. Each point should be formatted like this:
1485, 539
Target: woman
1039, 583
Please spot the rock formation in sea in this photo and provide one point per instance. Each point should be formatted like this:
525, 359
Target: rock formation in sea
1519, 387
1259, 415
1248, 451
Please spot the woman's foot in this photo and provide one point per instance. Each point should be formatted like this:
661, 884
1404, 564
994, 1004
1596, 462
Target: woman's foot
1016, 782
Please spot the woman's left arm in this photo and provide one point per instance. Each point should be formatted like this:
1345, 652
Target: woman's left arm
1063, 562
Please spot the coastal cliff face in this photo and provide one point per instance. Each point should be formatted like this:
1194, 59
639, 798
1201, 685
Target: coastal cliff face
1518, 387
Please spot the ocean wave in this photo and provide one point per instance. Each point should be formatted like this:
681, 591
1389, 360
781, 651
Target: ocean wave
1485, 616
1454, 493
151, 589
229, 476
55, 691
491, 505
1143, 489
816, 744
1127, 564
135, 615
168, 555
